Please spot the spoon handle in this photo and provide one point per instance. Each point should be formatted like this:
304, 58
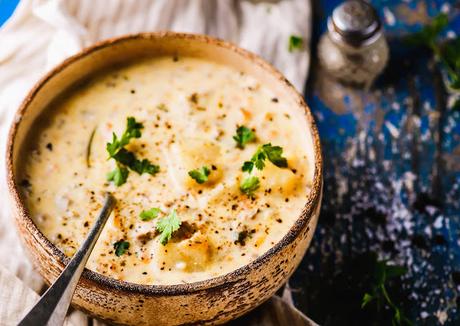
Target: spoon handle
52, 307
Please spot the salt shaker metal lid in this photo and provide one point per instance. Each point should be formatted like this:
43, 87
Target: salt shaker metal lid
354, 22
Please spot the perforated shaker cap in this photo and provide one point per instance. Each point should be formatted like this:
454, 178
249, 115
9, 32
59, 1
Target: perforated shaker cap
355, 22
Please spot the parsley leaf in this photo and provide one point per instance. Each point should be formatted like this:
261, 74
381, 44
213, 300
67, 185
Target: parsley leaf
248, 166
200, 175
295, 43
382, 273
243, 136
366, 299
145, 166
167, 226
273, 153
258, 158
447, 53
150, 214
427, 36
133, 130
126, 158
120, 247
118, 176
250, 185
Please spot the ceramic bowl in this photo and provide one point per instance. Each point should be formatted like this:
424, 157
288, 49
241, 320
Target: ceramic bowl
212, 301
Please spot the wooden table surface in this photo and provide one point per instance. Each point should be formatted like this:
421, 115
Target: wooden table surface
392, 182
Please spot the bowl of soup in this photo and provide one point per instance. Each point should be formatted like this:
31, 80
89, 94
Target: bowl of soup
213, 157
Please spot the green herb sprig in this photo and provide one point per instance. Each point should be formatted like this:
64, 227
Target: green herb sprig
149, 214
120, 247
125, 159
243, 136
118, 175
383, 272
167, 226
133, 130
295, 43
200, 175
267, 151
448, 53
250, 185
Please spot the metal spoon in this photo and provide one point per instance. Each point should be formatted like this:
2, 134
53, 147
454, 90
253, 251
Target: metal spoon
52, 307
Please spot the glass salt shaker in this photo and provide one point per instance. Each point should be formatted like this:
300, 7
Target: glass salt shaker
353, 50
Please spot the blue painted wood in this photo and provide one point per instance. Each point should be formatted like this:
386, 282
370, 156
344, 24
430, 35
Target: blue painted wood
392, 183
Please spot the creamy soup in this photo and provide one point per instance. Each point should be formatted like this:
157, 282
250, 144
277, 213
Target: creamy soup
186, 211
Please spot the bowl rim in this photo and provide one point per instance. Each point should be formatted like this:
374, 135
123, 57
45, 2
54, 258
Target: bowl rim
171, 289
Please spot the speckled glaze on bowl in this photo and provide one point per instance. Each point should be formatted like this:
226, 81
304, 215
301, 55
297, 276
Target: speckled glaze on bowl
211, 301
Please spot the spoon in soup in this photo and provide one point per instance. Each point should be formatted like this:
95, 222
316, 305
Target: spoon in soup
52, 307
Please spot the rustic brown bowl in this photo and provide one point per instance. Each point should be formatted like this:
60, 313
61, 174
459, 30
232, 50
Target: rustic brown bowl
211, 301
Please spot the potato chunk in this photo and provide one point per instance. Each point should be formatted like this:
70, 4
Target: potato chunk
189, 255
282, 180
194, 154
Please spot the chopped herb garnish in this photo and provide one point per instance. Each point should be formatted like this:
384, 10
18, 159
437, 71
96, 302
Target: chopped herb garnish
120, 247
133, 130
88, 148
150, 214
273, 153
145, 166
167, 226
250, 185
118, 176
447, 53
295, 43
428, 34
126, 158
200, 175
382, 273
243, 136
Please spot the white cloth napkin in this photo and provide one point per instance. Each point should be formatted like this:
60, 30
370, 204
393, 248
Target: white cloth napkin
41, 33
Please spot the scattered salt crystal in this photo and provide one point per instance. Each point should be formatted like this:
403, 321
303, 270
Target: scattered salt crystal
438, 222
451, 35
445, 8
392, 129
409, 179
431, 210
427, 105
